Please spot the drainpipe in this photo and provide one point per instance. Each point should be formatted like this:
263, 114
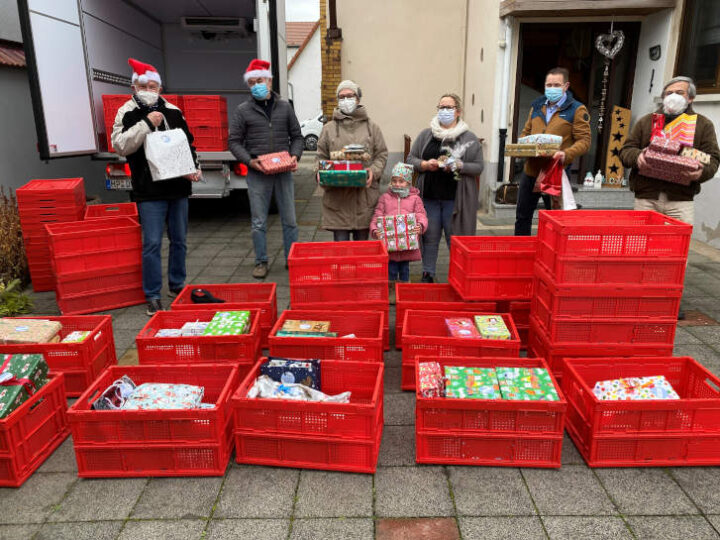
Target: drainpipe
505, 44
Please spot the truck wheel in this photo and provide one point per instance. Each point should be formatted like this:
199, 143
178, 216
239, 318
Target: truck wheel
311, 143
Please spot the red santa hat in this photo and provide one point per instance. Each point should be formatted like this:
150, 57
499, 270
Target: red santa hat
143, 73
257, 68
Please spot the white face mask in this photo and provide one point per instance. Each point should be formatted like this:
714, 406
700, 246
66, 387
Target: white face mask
147, 97
674, 104
347, 105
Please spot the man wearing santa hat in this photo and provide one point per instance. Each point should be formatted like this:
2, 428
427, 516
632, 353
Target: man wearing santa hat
265, 124
162, 202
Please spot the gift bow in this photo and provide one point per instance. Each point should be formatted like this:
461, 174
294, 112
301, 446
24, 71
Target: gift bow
8, 379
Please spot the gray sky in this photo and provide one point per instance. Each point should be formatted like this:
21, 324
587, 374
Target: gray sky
302, 10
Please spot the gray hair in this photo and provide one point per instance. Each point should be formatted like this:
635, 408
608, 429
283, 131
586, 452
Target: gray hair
692, 91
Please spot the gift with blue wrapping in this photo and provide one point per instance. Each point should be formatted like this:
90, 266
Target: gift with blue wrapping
287, 371
21, 375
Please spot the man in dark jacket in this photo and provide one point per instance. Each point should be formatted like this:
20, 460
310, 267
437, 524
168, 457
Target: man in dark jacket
265, 124
555, 113
673, 200
160, 202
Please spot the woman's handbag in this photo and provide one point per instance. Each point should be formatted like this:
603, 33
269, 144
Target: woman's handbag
168, 154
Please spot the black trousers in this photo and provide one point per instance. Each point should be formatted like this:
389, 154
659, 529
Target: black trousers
526, 205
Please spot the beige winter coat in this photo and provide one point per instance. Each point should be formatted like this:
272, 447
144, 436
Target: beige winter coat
352, 208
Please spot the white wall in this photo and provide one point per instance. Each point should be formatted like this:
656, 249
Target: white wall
707, 213
305, 77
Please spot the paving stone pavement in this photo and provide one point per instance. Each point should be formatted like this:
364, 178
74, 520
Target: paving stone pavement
274, 503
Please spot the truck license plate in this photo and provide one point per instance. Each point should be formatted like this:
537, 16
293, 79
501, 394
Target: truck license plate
118, 183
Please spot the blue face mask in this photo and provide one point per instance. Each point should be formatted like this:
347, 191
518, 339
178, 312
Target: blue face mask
259, 91
446, 116
553, 94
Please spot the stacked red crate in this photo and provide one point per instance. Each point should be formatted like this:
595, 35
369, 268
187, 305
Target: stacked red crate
496, 269
47, 201
644, 433
113, 102
97, 264
498, 433
341, 276
608, 283
96, 211
207, 120
314, 435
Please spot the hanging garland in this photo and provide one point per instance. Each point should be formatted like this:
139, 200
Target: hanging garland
608, 45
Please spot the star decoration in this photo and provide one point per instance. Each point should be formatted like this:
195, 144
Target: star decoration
621, 125
614, 169
617, 136
615, 152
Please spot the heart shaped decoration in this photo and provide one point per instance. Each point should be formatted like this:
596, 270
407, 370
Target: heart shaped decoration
610, 44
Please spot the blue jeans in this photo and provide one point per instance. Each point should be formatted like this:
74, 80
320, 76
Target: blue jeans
260, 190
154, 215
399, 271
526, 205
439, 216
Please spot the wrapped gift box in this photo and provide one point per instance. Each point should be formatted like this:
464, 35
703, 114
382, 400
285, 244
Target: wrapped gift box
228, 323
471, 383
340, 165
288, 371
431, 379
276, 163
664, 145
697, 155
541, 138
343, 178
21, 375
395, 232
492, 327
531, 150
670, 167
76, 336
306, 327
526, 384
635, 388
462, 327
28, 331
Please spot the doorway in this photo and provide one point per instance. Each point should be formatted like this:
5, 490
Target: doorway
543, 46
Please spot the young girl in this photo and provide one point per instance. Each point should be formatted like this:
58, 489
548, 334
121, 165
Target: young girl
401, 198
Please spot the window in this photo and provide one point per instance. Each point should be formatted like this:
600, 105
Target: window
699, 56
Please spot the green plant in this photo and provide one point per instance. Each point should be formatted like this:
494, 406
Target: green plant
13, 301
13, 263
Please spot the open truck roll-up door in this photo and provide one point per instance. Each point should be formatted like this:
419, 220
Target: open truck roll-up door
57, 69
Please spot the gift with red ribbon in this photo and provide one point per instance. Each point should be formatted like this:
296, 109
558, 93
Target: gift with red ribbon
21, 375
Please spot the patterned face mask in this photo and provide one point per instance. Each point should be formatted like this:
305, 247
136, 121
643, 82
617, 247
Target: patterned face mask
401, 192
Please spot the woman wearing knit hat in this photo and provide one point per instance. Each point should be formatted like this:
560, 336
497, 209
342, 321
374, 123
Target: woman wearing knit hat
448, 157
347, 210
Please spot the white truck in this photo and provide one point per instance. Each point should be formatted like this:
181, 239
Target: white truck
77, 50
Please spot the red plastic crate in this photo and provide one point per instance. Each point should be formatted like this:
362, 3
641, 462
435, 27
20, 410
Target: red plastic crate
121, 443
262, 296
584, 271
557, 302
354, 306
425, 334
78, 361
492, 267
496, 433
367, 346
101, 300
323, 262
95, 211
302, 294
105, 279
568, 332
613, 233
361, 419
102, 234
242, 349
210, 138
96, 260
48, 192
32, 432
555, 355
431, 297
307, 452
644, 433
203, 109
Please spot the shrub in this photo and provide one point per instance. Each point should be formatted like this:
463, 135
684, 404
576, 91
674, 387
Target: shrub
13, 263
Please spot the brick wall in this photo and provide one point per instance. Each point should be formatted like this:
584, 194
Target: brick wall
331, 72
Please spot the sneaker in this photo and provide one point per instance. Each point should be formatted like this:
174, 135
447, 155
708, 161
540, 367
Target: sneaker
153, 307
427, 278
260, 270
173, 293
